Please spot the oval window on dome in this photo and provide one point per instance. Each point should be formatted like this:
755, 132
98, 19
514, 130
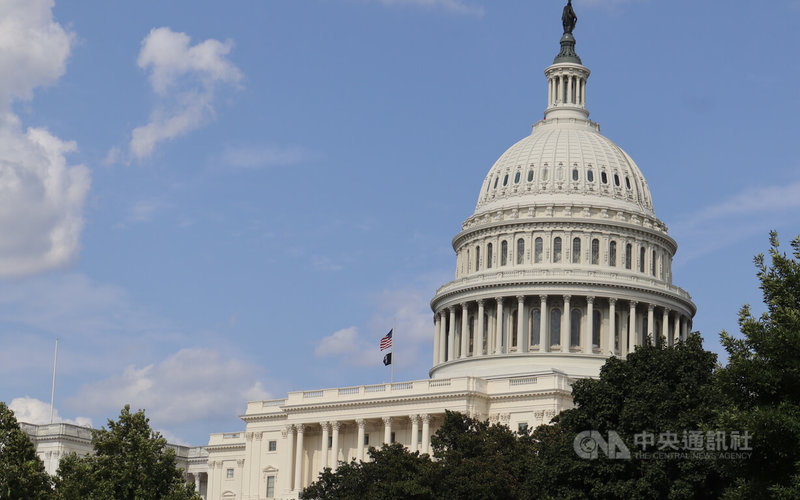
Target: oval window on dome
505, 180
616, 180
495, 181
603, 178
628, 181
516, 178
544, 174
530, 175
590, 175
574, 174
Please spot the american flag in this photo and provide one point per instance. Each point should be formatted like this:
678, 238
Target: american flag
386, 342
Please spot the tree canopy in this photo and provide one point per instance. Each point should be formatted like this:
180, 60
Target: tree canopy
130, 462
22, 473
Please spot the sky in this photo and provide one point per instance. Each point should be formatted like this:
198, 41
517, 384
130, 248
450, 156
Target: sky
215, 202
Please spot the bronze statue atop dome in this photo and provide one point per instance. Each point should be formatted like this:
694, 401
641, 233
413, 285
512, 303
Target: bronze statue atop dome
568, 18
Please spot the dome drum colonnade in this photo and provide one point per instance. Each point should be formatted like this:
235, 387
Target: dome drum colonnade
564, 262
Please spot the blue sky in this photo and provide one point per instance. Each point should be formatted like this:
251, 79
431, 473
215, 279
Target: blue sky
213, 201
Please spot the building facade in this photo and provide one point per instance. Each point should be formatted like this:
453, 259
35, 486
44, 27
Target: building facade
562, 265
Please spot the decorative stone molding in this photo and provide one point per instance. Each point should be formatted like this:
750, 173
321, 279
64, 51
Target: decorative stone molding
361, 423
240, 462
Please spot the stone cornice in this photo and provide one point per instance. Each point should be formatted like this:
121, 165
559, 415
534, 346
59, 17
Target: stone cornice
225, 447
542, 284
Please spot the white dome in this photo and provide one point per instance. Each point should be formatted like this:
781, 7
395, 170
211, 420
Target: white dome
565, 161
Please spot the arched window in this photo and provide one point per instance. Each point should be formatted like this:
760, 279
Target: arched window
603, 178
536, 323
537, 250
575, 174
576, 251
489, 256
628, 256
616, 180
505, 180
595, 251
663, 266
598, 317
612, 254
544, 174
641, 259
477, 258
575, 328
628, 182
495, 181
590, 175
557, 250
520, 250
469, 262
516, 178
530, 175
504, 253
653, 263
555, 326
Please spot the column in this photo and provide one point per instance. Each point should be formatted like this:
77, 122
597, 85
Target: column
464, 330
245, 474
335, 444
290, 452
632, 326
566, 327
437, 322
451, 336
549, 92
544, 333
360, 444
612, 325
414, 431
569, 89
387, 430
589, 333
426, 433
683, 328
324, 446
197, 482
522, 337
676, 329
479, 329
665, 323
651, 326
298, 464
498, 337
442, 337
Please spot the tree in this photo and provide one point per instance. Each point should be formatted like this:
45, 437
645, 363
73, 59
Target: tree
130, 462
392, 472
655, 390
22, 473
762, 382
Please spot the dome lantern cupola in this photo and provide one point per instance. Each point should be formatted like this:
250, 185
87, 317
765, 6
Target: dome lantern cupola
567, 76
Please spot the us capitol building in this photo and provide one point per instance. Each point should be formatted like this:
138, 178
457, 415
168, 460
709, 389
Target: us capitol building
562, 265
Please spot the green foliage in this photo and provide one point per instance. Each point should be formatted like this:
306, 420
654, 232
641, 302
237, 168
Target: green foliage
762, 382
391, 473
22, 473
130, 462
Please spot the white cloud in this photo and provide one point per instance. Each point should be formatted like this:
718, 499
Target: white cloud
349, 346
265, 156
757, 200
454, 6
34, 411
144, 210
190, 385
41, 196
185, 77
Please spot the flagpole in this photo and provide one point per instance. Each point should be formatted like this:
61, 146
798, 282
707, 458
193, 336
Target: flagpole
393, 361
53, 390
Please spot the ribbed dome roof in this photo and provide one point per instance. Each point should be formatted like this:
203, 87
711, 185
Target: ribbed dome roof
565, 160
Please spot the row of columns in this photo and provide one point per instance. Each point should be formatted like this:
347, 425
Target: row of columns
574, 93
331, 432
451, 338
